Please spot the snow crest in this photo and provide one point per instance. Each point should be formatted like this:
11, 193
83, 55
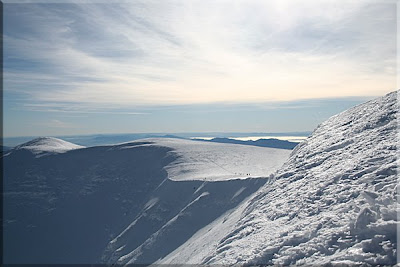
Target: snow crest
333, 201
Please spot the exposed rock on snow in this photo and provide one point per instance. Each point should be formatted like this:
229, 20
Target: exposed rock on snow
334, 201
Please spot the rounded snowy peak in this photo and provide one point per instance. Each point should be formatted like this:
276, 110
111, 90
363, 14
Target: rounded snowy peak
48, 145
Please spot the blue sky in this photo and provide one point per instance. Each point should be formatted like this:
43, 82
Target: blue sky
85, 67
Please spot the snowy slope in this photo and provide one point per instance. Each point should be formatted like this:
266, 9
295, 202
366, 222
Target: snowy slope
210, 177
333, 201
197, 160
101, 204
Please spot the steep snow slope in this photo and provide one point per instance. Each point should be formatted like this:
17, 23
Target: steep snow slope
196, 163
99, 204
334, 201
172, 214
45, 145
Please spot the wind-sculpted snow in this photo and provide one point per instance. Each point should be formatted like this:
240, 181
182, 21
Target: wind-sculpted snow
333, 202
116, 203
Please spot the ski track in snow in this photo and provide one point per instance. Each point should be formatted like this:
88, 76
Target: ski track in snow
333, 201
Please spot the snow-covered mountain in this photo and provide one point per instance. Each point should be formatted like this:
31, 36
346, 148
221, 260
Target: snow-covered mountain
173, 201
333, 201
68, 204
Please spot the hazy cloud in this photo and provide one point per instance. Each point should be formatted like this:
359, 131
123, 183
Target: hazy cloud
182, 52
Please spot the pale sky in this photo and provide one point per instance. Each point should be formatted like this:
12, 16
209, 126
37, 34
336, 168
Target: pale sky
144, 66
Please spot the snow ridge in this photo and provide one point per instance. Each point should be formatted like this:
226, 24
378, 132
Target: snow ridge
333, 201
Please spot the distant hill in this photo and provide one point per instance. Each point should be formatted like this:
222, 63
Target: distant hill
45, 145
110, 139
92, 140
271, 142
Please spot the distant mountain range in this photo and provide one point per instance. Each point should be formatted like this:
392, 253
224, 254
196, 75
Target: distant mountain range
271, 142
109, 139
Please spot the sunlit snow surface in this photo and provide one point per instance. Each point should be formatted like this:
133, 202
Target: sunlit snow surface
334, 201
197, 160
